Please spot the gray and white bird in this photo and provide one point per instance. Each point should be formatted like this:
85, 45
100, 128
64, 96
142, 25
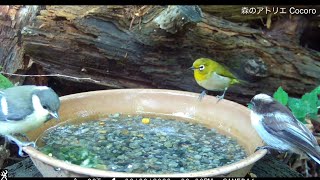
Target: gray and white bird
25, 108
280, 130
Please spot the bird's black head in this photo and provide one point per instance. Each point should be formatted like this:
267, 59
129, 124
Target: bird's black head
260, 103
49, 100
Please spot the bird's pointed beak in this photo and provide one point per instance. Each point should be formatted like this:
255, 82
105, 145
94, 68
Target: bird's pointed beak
55, 115
191, 68
250, 105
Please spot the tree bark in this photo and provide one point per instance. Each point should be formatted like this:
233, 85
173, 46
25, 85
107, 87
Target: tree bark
153, 46
12, 20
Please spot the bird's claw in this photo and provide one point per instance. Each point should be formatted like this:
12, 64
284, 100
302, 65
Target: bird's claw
23, 144
222, 96
203, 93
219, 98
261, 147
33, 144
200, 97
21, 153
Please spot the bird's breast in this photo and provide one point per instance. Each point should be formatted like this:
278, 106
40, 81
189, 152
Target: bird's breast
269, 139
31, 122
215, 82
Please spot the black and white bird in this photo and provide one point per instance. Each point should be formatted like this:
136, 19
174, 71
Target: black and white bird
280, 130
24, 108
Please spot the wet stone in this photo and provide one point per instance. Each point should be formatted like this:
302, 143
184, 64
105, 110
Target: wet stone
125, 144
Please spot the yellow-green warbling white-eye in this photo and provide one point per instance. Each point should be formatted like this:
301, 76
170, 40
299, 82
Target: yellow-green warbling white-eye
24, 108
212, 76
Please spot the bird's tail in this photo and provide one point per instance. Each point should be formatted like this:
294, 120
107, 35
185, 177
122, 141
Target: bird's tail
239, 81
317, 159
234, 81
315, 156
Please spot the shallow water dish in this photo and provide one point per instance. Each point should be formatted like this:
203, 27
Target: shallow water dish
226, 116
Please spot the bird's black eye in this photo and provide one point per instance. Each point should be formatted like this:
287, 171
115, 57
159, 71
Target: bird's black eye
45, 107
201, 67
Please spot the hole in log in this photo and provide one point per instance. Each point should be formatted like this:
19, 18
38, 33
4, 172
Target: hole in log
59, 18
65, 87
310, 37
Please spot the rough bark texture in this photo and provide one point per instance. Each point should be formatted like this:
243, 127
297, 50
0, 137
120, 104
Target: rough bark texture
152, 47
12, 20
4, 154
269, 166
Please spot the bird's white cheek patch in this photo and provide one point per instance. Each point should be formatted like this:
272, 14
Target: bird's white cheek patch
42, 87
4, 106
37, 105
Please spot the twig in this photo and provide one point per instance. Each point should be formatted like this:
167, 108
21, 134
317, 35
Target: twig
14, 158
50, 75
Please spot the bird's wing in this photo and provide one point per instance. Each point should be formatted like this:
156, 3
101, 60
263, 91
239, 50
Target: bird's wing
221, 70
16, 111
224, 72
285, 126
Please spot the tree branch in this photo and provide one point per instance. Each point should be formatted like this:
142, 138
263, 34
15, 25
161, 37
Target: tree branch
51, 75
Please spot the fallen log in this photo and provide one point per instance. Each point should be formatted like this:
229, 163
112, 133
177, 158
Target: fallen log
152, 47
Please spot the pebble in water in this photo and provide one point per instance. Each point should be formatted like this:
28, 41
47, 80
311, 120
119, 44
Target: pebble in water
124, 143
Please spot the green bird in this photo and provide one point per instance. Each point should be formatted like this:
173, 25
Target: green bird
212, 76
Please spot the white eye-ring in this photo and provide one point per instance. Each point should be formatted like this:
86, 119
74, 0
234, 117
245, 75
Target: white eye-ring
201, 67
